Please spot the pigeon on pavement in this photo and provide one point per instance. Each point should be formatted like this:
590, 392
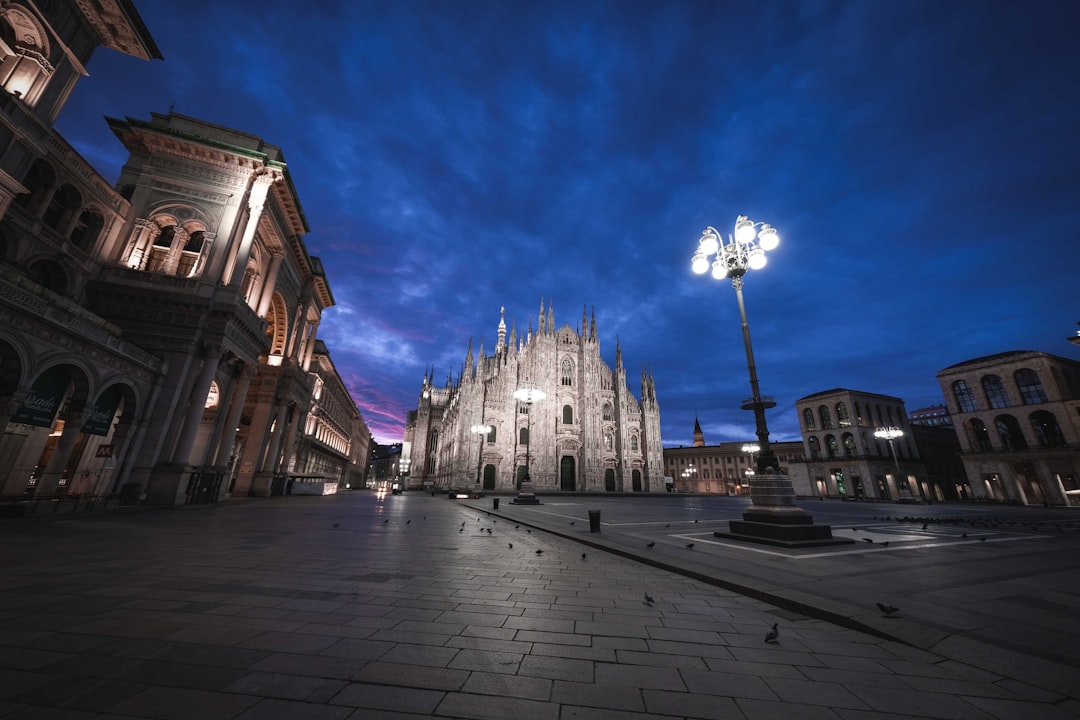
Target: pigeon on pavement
689, 546
648, 598
773, 635
887, 610
650, 545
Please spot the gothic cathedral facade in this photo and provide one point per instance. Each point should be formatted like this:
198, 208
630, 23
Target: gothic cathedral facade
588, 433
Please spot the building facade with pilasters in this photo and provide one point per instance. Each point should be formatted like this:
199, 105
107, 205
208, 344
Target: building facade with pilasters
161, 332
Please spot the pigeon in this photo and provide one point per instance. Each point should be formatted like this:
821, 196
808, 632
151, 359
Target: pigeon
510, 545
516, 527
489, 531
695, 520
924, 526
887, 610
461, 529
773, 635
539, 552
668, 525
334, 525
651, 545
386, 521
982, 539
648, 598
886, 543
571, 522
462, 523
408, 521
964, 535
689, 546
869, 540
582, 556
528, 531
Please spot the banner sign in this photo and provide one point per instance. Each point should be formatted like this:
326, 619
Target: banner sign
40, 408
100, 421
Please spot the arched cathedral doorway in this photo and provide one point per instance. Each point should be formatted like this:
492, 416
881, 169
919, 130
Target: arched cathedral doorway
489, 477
609, 480
567, 473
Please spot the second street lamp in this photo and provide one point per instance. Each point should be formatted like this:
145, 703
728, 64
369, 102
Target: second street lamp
528, 396
482, 431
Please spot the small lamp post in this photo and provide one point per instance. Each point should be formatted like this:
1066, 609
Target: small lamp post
528, 396
687, 474
891, 433
482, 432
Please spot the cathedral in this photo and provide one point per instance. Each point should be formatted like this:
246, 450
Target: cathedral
544, 408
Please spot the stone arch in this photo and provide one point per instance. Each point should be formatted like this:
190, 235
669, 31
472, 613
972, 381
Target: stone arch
87, 229
49, 274
64, 205
39, 181
24, 54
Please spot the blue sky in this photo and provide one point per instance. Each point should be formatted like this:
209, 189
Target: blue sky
921, 161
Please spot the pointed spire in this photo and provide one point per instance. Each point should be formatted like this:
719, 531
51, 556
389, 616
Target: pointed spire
539, 320
618, 354
551, 317
469, 356
584, 322
699, 437
592, 328
502, 329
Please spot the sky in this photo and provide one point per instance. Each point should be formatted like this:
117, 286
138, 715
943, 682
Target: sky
920, 160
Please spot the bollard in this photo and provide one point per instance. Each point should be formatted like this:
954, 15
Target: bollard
494, 503
594, 521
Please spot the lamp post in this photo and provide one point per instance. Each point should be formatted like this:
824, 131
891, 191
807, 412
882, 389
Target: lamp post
891, 433
773, 517
528, 396
744, 250
481, 431
688, 473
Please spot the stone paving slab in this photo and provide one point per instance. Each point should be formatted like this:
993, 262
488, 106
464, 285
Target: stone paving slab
361, 607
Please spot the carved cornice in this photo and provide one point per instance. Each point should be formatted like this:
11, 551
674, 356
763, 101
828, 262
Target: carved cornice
119, 26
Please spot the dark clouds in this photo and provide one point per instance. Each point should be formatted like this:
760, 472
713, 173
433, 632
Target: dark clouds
918, 158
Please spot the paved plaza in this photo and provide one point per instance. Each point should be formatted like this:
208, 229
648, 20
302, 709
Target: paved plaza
395, 607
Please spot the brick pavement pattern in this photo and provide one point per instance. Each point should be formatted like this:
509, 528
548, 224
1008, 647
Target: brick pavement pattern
390, 608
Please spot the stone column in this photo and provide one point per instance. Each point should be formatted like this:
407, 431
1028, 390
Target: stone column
236, 408
196, 407
234, 275
49, 481
176, 247
267, 293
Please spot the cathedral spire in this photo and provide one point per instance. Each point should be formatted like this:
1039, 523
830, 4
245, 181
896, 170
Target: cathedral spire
592, 327
584, 322
618, 355
502, 329
551, 317
469, 356
539, 321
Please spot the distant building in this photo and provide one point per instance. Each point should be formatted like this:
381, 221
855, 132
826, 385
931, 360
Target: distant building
933, 416
844, 457
588, 434
725, 468
385, 466
1017, 417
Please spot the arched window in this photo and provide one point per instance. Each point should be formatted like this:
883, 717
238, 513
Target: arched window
491, 435
608, 441
86, 231
831, 447
849, 445
808, 420
1047, 431
39, 181
965, 396
63, 206
523, 436
996, 397
842, 416
633, 443
826, 417
979, 435
608, 414
567, 415
1012, 438
567, 372
1031, 389
189, 256
815, 448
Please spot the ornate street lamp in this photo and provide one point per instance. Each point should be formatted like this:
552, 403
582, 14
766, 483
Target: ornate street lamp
744, 250
528, 396
688, 473
890, 433
773, 517
482, 431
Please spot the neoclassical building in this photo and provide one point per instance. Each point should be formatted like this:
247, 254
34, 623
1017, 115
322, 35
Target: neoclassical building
1017, 416
160, 335
588, 434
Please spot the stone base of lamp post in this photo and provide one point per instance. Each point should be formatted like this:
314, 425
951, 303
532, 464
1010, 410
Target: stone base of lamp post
775, 519
526, 496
